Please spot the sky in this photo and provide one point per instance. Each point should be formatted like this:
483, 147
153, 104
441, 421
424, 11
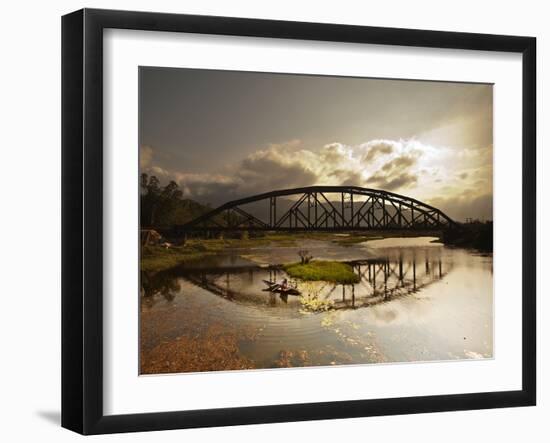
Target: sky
222, 135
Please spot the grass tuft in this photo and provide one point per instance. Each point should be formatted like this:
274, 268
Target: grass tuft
332, 271
156, 258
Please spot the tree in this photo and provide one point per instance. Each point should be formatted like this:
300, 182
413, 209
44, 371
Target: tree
305, 256
157, 203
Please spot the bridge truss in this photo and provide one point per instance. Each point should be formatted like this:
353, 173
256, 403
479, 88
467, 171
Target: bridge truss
321, 208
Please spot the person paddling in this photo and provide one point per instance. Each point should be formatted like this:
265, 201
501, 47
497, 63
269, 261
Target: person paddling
284, 284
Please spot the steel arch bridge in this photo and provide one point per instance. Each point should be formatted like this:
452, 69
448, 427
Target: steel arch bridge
322, 208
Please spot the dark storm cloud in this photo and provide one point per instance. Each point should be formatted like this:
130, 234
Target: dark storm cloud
273, 168
268, 171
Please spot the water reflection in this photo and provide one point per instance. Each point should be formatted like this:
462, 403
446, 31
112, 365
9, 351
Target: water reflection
159, 285
412, 303
380, 280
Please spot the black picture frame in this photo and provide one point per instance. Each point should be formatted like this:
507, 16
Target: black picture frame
82, 218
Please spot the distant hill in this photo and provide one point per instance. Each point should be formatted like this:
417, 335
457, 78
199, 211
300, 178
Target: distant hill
180, 211
184, 211
189, 209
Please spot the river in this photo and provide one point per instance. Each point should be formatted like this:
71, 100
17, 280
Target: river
417, 300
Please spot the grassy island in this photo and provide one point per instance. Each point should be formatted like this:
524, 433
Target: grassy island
332, 271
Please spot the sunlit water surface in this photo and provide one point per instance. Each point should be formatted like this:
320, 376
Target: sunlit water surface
417, 300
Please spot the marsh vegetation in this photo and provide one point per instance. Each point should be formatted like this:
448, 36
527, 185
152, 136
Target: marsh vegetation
322, 270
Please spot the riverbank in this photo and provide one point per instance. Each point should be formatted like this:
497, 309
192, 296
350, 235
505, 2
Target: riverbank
157, 258
475, 235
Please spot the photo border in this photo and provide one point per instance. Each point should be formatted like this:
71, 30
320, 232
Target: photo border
82, 220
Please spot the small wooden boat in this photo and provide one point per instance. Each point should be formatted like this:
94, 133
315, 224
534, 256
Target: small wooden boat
271, 284
276, 287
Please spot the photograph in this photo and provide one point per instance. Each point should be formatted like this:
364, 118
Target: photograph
275, 222
299, 220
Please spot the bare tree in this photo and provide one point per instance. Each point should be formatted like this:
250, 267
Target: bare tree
305, 257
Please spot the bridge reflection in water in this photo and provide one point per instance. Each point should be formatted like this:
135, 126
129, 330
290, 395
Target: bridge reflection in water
380, 280
412, 303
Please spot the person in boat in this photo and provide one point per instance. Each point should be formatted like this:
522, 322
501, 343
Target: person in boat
284, 284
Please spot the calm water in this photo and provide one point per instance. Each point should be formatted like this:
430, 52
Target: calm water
416, 301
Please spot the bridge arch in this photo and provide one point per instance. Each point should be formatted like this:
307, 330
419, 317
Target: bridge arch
326, 208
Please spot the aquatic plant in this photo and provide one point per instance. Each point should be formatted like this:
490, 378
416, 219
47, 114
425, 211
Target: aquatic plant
305, 256
315, 304
331, 271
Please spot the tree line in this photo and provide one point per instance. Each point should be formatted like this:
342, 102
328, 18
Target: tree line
162, 206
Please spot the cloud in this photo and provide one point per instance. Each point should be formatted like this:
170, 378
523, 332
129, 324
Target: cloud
392, 183
205, 185
348, 178
375, 148
290, 165
335, 153
145, 157
398, 164
396, 173
277, 167
441, 175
